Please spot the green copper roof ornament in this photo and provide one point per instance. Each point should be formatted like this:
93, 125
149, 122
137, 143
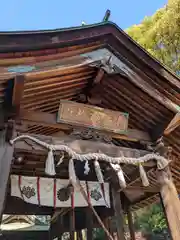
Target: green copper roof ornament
105, 18
83, 23
107, 15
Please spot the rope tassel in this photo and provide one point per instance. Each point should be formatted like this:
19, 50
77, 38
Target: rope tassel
72, 173
143, 176
50, 168
120, 174
98, 172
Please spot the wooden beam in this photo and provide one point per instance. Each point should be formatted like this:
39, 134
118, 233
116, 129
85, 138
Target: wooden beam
158, 130
131, 224
79, 146
175, 122
18, 90
43, 119
134, 177
147, 196
118, 214
21, 234
2, 117
13, 95
72, 224
17, 206
165, 128
165, 215
170, 201
6, 156
106, 222
89, 223
56, 229
50, 120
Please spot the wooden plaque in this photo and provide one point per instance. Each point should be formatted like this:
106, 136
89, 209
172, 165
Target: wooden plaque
79, 114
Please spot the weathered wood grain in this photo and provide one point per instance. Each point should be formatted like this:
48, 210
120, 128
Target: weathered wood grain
6, 156
118, 214
171, 202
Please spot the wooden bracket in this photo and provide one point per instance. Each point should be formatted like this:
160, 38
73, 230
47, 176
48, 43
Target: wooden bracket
13, 96
94, 95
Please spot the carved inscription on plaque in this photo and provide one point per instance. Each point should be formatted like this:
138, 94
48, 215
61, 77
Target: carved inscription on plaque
94, 117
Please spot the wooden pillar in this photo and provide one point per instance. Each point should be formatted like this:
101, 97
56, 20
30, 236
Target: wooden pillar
165, 215
106, 222
79, 235
131, 224
89, 223
6, 156
56, 229
119, 214
72, 224
170, 201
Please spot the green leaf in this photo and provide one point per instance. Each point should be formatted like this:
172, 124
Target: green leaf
160, 34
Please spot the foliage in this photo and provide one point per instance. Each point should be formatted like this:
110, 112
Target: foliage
160, 34
98, 234
151, 221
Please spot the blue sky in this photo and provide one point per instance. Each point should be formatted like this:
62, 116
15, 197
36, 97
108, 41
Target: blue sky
49, 14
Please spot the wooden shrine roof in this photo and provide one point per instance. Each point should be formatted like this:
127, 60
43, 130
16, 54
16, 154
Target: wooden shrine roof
63, 63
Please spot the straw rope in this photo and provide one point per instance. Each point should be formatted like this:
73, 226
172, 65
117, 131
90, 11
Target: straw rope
161, 161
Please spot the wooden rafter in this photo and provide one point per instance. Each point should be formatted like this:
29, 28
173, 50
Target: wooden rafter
140, 79
165, 128
49, 120
175, 122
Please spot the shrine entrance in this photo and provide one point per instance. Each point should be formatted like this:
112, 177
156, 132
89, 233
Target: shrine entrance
89, 131
84, 183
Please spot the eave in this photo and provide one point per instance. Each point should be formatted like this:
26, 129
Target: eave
43, 39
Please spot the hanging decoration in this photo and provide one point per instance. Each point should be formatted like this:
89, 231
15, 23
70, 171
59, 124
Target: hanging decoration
57, 193
95, 194
90, 204
86, 168
96, 157
143, 176
72, 174
28, 192
117, 168
63, 194
50, 168
98, 171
